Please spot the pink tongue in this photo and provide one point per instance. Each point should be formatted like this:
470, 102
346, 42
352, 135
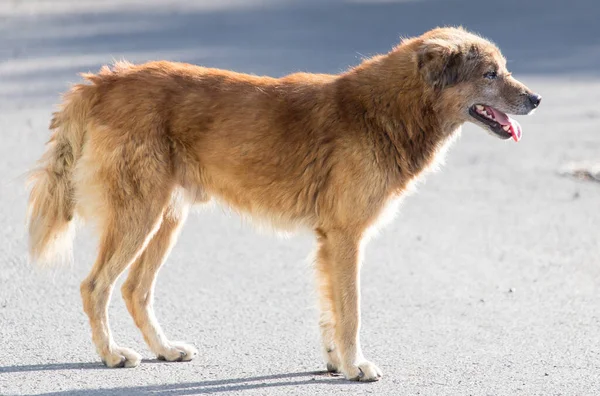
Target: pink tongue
503, 119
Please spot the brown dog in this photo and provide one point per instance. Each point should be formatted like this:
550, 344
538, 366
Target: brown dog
135, 148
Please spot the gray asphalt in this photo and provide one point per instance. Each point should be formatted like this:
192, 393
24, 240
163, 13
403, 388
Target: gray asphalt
485, 284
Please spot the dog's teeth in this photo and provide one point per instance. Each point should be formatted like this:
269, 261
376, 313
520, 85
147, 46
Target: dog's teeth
479, 107
506, 128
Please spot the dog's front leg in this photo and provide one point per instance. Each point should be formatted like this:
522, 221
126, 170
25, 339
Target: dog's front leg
338, 263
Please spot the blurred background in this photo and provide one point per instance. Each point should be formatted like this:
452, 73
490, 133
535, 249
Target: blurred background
486, 282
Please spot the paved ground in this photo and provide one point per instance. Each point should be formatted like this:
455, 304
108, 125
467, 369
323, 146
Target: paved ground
486, 283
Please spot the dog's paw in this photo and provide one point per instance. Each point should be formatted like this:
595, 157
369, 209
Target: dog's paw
364, 371
177, 352
121, 357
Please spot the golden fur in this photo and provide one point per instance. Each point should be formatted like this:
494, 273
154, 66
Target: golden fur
138, 145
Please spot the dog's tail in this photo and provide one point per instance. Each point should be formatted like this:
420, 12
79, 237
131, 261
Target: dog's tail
51, 201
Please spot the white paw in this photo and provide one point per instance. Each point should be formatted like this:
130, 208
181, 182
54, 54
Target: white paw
364, 371
177, 352
121, 357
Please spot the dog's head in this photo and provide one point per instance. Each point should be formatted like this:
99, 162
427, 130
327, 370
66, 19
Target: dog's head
470, 75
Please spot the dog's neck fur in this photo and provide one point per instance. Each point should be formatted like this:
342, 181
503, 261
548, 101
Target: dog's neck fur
402, 116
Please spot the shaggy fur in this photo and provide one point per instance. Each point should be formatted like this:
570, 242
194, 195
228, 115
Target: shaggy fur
135, 147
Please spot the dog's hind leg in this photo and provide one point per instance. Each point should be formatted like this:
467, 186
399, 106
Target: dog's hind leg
125, 184
138, 289
124, 237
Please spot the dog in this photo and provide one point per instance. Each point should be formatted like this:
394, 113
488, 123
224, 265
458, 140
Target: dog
135, 146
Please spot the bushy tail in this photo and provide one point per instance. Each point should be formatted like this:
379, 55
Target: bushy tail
51, 200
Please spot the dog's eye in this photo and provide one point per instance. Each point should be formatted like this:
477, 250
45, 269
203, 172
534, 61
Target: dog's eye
490, 75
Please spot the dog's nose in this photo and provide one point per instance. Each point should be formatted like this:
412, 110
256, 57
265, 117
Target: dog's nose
535, 99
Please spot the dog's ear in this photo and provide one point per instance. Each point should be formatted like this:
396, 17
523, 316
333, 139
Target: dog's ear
439, 63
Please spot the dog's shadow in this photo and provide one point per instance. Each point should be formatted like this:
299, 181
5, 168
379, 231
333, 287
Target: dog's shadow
186, 388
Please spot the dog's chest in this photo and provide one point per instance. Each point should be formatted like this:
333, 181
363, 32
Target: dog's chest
392, 204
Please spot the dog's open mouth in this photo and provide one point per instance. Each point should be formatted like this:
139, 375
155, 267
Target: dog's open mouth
498, 122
